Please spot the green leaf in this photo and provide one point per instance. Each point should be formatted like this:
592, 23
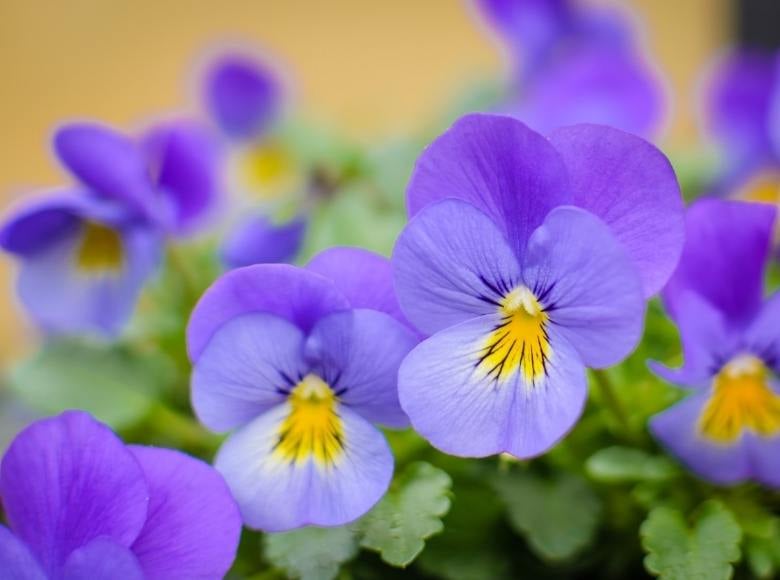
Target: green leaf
115, 385
411, 512
625, 464
311, 553
706, 552
558, 516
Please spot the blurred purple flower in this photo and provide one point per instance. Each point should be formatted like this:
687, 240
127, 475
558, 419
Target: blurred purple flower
257, 240
82, 505
526, 259
573, 64
728, 429
301, 362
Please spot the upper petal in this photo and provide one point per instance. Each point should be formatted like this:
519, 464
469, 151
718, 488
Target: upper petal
587, 284
295, 294
451, 263
68, 480
257, 240
631, 186
193, 526
498, 165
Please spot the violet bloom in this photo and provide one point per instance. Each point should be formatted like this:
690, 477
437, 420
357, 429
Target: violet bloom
728, 429
82, 505
300, 363
573, 64
86, 252
743, 115
527, 259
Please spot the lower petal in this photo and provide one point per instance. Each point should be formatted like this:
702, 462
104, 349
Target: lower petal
102, 559
276, 493
466, 412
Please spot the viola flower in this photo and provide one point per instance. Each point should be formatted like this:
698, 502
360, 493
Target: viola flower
573, 64
728, 429
300, 363
81, 504
527, 259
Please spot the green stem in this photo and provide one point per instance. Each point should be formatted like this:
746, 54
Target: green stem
611, 400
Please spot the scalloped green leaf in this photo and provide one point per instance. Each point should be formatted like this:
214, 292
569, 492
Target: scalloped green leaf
311, 553
410, 513
627, 465
705, 551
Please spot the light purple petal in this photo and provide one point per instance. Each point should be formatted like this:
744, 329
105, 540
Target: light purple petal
589, 285
68, 480
365, 278
726, 249
257, 240
451, 263
102, 559
193, 526
498, 165
297, 295
763, 335
631, 186
243, 95
246, 368
764, 458
16, 561
463, 412
276, 495
676, 429
358, 354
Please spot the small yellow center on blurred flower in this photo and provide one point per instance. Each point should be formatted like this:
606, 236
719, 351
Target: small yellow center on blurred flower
764, 187
313, 428
99, 250
520, 342
741, 400
266, 170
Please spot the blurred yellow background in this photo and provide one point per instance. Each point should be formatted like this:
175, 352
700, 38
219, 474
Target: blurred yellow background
372, 68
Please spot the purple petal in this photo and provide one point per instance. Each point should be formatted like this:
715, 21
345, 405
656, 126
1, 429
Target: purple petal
723, 260
763, 334
102, 559
676, 429
193, 526
358, 353
185, 161
16, 561
463, 412
451, 263
245, 368
107, 162
297, 295
68, 480
257, 240
629, 184
365, 278
243, 96
591, 289
764, 459
275, 494
498, 165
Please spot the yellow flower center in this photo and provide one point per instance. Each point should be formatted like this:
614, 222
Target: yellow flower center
519, 342
313, 428
741, 400
266, 170
99, 250
764, 187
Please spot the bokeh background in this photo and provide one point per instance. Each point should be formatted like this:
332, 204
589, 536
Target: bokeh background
371, 69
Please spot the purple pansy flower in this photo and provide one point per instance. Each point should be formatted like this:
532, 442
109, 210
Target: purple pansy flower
728, 429
82, 505
574, 64
527, 259
300, 362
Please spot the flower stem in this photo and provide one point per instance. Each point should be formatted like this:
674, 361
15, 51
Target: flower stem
611, 400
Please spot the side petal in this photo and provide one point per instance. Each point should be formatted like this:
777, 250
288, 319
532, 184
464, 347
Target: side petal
275, 494
257, 240
102, 559
466, 412
247, 367
726, 249
16, 561
193, 526
496, 164
358, 354
631, 185
763, 336
676, 430
68, 480
451, 263
295, 294
587, 284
